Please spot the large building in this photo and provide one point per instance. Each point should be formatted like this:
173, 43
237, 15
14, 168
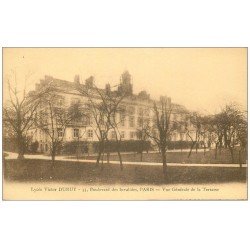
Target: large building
138, 111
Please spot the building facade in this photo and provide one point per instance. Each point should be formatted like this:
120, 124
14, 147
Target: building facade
138, 109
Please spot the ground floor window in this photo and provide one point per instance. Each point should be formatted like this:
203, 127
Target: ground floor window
90, 133
76, 132
131, 121
122, 134
132, 135
122, 120
174, 137
60, 132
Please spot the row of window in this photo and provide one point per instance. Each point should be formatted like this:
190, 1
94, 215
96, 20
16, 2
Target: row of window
122, 134
131, 110
76, 133
132, 134
140, 121
113, 134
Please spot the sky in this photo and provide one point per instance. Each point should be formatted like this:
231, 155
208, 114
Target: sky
201, 79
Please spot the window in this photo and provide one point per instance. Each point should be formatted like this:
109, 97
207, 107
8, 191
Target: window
85, 120
174, 137
131, 110
59, 132
90, 133
76, 132
122, 117
113, 135
122, 134
58, 120
113, 117
132, 135
101, 120
103, 133
75, 100
122, 109
140, 121
181, 136
147, 121
60, 101
146, 112
140, 111
46, 132
131, 121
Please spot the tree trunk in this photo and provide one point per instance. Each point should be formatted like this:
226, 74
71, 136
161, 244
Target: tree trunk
164, 162
20, 145
220, 144
53, 158
225, 139
100, 150
20, 154
119, 153
240, 159
191, 149
102, 167
196, 148
232, 153
108, 154
141, 149
216, 149
102, 157
120, 158
98, 158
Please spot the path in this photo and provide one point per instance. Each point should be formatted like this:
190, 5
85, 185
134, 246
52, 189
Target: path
12, 155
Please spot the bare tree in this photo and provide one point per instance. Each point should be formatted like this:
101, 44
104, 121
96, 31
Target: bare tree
193, 126
206, 132
19, 111
104, 107
161, 129
54, 117
95, 111
231, 122
242, 136
80, 138
143, 126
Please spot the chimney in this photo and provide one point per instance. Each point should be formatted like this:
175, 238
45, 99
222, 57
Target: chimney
108, 88
77, 79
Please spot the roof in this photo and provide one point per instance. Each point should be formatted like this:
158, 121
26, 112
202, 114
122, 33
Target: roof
72, 88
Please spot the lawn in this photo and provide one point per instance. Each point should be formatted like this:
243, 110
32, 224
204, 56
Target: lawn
30, 170
223, 156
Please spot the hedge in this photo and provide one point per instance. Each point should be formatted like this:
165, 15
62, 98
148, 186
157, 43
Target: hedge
111, 146
10, 144
125, 146
75, 146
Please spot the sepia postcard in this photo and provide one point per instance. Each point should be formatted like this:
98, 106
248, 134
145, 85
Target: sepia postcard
124, 124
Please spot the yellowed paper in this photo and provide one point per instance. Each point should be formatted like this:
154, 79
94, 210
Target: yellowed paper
165, 124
